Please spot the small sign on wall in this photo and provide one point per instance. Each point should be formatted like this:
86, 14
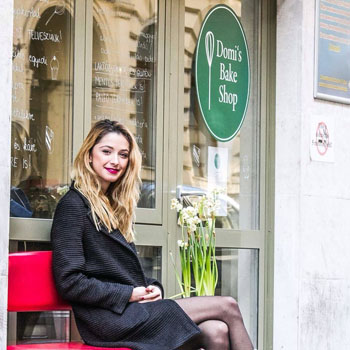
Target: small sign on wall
217, 174
322, 139
332, 51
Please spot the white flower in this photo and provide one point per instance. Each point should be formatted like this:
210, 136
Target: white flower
185, 216
179, 207
191, 226
189, 212
192, 223
175, 204
196, 220
180, 243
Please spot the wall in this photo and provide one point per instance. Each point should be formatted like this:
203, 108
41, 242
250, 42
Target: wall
5, 103
312, 202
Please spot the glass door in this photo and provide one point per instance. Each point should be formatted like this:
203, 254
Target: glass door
204, 163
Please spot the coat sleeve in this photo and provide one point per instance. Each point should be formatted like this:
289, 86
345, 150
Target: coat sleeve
68, 262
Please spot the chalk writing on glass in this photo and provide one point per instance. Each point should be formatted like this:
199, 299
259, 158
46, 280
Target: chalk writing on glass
17, 85
117, 99
16, 145
16, 53
37, 60
105, 67
54, 65
149, 37
14, 162
122, 84
26, 13
23, 114
141, 73
49, 135
25, 163
45, 36
17, 67
29, 145
108, 67
138, 57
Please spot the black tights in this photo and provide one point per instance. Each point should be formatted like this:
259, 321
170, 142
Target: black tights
220, 321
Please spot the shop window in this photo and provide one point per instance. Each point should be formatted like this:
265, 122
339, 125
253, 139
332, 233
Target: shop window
124, 76
42, 106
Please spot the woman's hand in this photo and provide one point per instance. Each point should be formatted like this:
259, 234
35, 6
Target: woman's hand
145, 294
138, 294
153, 293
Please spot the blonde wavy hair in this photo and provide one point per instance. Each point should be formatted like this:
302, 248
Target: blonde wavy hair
114, 209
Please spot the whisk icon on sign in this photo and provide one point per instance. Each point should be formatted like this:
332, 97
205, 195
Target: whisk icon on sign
59, 10
209, 50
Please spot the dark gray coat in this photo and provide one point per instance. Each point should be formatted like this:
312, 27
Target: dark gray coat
96, 272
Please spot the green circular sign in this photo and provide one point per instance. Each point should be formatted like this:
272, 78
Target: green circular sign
222, 73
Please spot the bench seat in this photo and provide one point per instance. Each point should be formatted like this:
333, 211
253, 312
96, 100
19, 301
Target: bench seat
58, 346
31, 287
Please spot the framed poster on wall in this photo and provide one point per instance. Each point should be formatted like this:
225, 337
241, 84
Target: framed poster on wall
332, 51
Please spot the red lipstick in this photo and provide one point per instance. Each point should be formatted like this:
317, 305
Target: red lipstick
112, 171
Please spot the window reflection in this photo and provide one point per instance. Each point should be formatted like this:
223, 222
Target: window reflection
41, 107
124, 76
151, 261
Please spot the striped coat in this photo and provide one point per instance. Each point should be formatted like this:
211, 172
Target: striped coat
96, 272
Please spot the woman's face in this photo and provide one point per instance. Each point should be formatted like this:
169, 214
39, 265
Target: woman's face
109, 158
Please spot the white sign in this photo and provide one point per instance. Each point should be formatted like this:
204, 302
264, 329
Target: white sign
322, 139
217, 174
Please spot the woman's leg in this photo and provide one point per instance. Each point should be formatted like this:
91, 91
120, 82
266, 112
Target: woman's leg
214, 336
225, 309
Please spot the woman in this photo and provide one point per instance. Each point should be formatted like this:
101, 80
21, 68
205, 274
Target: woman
97, 270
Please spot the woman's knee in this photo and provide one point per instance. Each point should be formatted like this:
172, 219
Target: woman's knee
220, 336
231, 307
215, 335
221, 329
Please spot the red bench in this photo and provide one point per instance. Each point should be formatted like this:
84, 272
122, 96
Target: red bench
31, 288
